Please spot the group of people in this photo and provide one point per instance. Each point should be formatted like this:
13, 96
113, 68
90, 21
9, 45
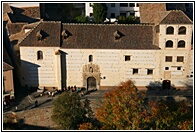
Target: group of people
72, 88
75, 89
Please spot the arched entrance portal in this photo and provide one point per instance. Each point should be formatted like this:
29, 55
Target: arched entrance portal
91, 76
91, 84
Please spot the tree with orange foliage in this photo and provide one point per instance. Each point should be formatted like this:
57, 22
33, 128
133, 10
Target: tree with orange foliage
124, 109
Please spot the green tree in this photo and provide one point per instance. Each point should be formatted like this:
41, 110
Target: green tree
82, 19
121, 19
69, 112
128, 20
91, 123
99, 12
131, 20
68, 12
125, 109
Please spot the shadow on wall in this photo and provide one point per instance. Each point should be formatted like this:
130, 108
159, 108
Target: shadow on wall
30, 76
64, 68
157, 85
188, 85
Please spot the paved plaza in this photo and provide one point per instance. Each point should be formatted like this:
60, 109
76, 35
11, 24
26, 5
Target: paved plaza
28, 102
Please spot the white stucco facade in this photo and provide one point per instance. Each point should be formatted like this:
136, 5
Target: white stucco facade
115, 9
41, 72
78, 59
112, 64
26, 4
177, 71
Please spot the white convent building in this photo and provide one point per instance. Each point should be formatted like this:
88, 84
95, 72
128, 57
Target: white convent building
55, 54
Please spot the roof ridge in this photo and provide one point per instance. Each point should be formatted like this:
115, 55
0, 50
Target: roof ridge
183, 15
30, 32
186, 16
140, 24
165, 16
51, 21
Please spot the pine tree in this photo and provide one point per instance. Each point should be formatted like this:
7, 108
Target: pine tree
99, 12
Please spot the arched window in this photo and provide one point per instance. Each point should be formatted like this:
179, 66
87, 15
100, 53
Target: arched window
90, 58
182, 30
169, 44
170, 30
181, 44
39, 55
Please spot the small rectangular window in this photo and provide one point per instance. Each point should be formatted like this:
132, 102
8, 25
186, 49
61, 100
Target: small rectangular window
180, 58
127, 57
178, 68
131, 4
149, 72
39, 55
123, 4
168, 59
166, 68
135, 71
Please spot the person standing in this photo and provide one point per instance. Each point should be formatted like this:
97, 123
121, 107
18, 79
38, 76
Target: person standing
36, 103
4, 103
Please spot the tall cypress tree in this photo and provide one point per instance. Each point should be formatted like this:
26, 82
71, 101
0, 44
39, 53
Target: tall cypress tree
99, 12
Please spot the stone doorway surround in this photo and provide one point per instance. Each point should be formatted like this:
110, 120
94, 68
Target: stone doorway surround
91, 70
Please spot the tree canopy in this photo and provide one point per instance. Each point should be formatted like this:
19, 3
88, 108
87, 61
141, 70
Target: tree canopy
82, 19
68, 12
125, 108
99, 12
128, 20
69, 112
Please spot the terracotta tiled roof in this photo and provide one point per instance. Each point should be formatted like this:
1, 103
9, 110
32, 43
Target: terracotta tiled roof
176, 17
14, 28
149, 10
27, 14
6, 18
6, 8
15, 39
102, 37
92, 36
33, 12
50, 35
7, 67
158, 16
